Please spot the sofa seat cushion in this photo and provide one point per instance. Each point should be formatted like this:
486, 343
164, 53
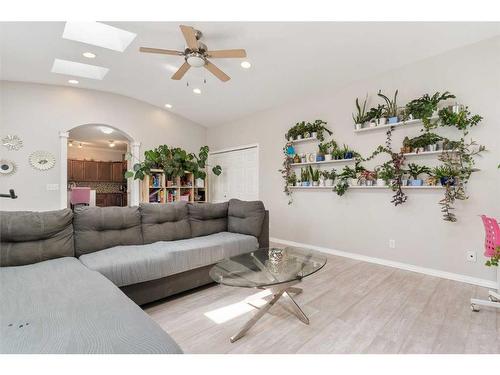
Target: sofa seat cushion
98, 228
61, 306
246, 217
126, 265
165, 222
207, 218
30, 237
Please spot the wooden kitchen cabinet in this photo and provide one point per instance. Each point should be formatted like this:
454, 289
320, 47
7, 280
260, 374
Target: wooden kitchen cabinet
109, 199
90, 170
104, 171
76, 170
118, 172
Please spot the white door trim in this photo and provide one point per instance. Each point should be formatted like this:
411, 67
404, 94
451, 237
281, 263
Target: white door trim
244, 147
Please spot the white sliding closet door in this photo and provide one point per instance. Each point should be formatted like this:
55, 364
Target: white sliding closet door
240, 174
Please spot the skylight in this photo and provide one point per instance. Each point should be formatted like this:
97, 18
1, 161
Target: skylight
72, 68
98, 34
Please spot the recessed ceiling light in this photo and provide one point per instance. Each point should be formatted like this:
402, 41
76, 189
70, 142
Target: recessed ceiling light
72, 68
111, 143
70, 144
89, 55
245, 65
169, 106
98, 34
197, 91
80, 145
106, 130
73, 81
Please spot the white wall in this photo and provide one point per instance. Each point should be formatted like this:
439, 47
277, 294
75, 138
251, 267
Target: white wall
95, 153
363, 221
37, 113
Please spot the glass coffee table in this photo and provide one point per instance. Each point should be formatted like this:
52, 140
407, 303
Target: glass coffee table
276, 270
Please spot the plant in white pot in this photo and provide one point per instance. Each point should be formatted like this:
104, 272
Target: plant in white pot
325, 149
376, 115
360, 117
314, 174
386, 173
329, 177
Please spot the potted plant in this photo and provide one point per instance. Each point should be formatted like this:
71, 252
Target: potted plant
406, 149
292, 179
426, 107
304, 176
415, 171
329, 177
318, 128
347, 152
367, 177
325, 150
338, 154
314, 175
385, 174
360, 117
391, 107
446, 175
376, 115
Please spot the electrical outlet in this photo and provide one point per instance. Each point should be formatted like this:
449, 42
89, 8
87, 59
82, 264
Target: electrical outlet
52, 187
392, 244
471, 256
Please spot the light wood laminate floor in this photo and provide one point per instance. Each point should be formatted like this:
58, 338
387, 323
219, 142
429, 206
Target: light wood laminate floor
353, 307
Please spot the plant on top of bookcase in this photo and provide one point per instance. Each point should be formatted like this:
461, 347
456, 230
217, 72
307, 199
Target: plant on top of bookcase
174, 161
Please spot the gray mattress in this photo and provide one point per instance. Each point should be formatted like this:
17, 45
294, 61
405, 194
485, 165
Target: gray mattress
60, 306
127, 265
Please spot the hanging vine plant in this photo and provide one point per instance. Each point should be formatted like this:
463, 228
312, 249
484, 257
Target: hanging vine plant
288, 175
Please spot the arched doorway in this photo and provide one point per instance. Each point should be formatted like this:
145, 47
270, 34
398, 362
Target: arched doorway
133, 147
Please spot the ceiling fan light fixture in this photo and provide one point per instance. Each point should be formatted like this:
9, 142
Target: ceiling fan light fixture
195, 60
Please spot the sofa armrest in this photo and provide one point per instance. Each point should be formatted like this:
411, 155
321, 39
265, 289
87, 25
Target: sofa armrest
264, 234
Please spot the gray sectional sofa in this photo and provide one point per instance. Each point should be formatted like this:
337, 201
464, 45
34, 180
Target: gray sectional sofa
67, 280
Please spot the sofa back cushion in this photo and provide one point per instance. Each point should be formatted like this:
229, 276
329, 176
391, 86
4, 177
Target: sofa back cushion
245, 217
207, 218
165, 222
29, 237
98, 228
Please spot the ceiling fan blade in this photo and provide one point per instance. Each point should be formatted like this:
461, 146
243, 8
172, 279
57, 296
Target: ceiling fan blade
162, 51
217, 72
190, 36
227, 53
181, 71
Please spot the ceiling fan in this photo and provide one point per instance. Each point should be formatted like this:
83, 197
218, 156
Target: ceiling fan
197, 54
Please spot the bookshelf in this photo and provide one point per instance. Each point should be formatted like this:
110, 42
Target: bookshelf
157, 189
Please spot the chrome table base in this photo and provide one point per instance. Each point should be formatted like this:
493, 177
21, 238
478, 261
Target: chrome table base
278, 291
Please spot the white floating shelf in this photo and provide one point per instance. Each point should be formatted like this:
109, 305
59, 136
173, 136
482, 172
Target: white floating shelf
323, 162
426, 187
304, 140
396, 125
427, 153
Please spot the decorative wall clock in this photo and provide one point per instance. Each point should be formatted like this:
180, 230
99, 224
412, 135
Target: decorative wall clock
12, 142
7, 167
42, 160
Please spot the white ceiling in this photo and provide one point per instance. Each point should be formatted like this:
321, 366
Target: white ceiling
91, 136
289, 60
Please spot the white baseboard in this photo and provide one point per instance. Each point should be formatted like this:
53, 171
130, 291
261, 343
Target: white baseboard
404, 266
